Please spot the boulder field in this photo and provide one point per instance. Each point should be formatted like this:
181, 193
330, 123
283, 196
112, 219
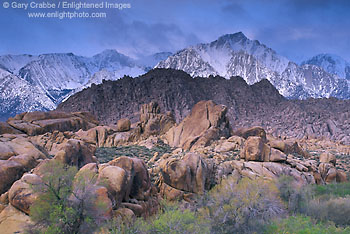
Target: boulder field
204, 150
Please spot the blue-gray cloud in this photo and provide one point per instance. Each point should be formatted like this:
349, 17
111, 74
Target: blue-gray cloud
297, 29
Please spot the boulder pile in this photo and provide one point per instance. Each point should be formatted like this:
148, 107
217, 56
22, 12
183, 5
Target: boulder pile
204, 150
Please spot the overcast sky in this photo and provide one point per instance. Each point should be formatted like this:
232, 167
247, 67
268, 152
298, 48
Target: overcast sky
297, 29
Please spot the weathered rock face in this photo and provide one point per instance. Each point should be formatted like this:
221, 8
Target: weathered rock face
256, 150
231, 144
13, 145
52, 142
327, 157
277, 156
123, 125
75, 153
5, 128
116, 180
138, 177
21, 194
153, 122
26, 161
288, 147
271, 170
35, 123
10, 171
253, 131
206, 122
187, 174
6, 151
18, 154
13, 220
330, 174
102, 205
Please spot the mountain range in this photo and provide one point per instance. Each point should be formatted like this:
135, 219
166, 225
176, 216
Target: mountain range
247, 105
41, 82
29, 82
236, 55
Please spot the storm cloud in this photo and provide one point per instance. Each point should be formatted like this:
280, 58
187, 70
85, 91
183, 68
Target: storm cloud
296, 29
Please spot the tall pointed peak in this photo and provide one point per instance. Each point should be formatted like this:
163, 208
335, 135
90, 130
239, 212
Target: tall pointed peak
235, 36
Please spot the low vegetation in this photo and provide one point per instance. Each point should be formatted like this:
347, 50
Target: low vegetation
66, 205
303, 225
170, 219
106, 154
66, 202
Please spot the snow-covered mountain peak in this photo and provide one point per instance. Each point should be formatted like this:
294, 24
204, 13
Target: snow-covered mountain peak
3, 73
13, 63
235, 37
217, 55
112, 60
149, 61
331, 63
237, 55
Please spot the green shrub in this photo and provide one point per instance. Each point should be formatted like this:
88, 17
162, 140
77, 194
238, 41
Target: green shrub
337, 190
241, 206
106, 154
336, 210
66, 202
171, 219
296, 197
303, 225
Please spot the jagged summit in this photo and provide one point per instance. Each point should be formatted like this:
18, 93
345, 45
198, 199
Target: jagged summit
331, 63
235, 37
237, 55
48, 79
59, 75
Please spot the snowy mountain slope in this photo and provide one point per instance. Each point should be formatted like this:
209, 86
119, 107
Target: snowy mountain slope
111, 60
56, 72
17, 95
236, 55
151, 60
3, 73
331, 63
48, 79
13, 63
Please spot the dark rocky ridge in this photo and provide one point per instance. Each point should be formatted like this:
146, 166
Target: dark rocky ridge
176, 91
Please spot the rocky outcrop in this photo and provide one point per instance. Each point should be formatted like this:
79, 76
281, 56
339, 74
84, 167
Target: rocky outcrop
253, 131
288, 147
18, 155
75, 153
256, 150
117, 182
271, 170
123, 125
13, 145
13, 221
153, 122
21, 194
246, 105
5, 128
207, 122
234, 143
187, 174
327, 157
35, 123
10, 171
